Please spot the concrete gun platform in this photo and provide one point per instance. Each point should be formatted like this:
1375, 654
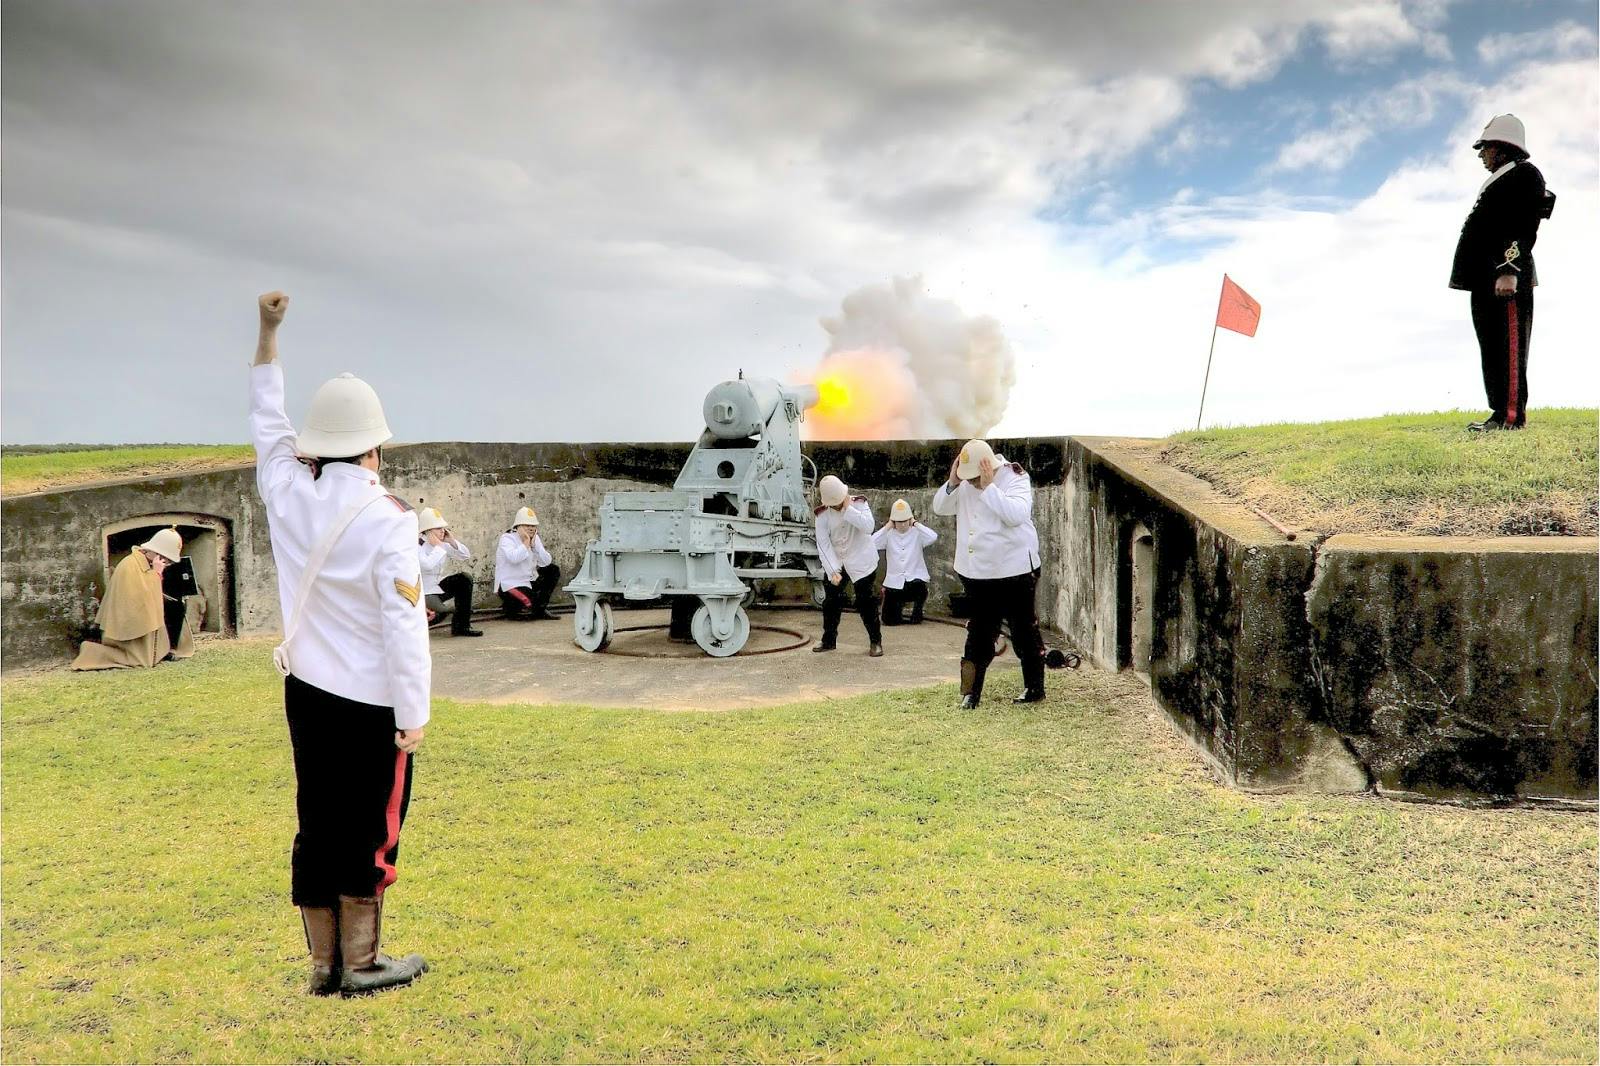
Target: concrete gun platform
537, 662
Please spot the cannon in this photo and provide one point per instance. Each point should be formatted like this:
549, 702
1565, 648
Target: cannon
739, 512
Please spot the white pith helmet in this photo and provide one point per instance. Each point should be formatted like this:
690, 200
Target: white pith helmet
973, 453
345, 419
430, 518
525, 517
900, 512
166, 543
832, 491
1506, 129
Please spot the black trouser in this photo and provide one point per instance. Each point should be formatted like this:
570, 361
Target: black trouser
454, 600
531, 599
352, 788
1504, 326
866, 606
991, 600
915, 592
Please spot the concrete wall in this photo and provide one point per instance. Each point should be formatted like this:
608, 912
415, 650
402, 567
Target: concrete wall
1460, 668
1224, 596
1426, 668
51, 543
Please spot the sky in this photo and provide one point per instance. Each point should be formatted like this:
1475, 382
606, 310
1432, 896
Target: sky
567, 221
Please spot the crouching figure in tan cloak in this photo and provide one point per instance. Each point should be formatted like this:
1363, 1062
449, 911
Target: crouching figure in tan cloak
132, 620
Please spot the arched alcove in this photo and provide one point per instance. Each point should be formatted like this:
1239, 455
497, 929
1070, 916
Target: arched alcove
1142, 551
207, 543
1136, 589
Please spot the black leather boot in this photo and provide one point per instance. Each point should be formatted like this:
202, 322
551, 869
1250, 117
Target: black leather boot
366, 969
322, 939
971, 684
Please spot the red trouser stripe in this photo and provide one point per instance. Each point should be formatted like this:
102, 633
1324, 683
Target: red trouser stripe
1512, 344
392, 817
520, 596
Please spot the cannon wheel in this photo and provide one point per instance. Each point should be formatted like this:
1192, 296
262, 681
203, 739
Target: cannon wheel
700, 627
598, 635
819, 592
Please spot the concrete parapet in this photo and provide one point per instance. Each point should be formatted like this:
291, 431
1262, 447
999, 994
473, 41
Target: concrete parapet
53, 545
1432, 668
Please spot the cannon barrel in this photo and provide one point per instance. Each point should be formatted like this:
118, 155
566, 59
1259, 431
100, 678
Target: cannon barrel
742, 408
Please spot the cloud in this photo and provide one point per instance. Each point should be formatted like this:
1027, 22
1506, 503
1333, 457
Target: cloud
1565, 39
564, 222
1408, 104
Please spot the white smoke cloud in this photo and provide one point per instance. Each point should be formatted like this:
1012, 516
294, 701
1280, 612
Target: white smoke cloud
903, 365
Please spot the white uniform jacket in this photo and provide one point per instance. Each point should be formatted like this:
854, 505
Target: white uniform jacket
844, 540
902, 553
514, 562
362, 633
994, 527
432, 558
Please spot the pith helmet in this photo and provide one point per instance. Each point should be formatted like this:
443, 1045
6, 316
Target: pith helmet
1506, 129
430, 518
345, 419
525, 517
166, 543
832, 491
973, 453
900, 512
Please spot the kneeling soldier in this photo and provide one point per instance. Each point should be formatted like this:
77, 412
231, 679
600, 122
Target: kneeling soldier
354, 658
524, 573
445, 595
133, 616
844, 541
905, 575
997, 559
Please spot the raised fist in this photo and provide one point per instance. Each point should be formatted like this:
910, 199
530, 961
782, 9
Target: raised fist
273, 305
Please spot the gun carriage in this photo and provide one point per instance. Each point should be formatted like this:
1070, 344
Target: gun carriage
739, 512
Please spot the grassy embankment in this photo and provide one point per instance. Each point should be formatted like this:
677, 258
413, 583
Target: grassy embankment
867, 879
1414, 474
35, 467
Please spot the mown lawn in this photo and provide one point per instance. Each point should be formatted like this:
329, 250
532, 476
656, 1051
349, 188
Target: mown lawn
875, 879
31, 469
1422, 473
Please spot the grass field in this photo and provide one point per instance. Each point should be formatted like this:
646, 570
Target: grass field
1420, 474
30, 469
869, 879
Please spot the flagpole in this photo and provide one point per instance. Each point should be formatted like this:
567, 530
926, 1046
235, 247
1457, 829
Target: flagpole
1207, 383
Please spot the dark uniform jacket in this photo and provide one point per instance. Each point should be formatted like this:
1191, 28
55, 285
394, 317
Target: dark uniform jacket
1497, 237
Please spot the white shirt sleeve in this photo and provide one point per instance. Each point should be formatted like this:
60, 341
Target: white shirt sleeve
880, 539
944, 501
431, 556
457, 550
1013, 503
830, 561
859, 514
512, 550
927, 533
272, 433
405, 623
541, 557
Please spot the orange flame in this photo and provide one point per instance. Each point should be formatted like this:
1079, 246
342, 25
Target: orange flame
863, 394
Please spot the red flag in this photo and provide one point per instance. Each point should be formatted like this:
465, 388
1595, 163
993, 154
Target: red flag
1236, 310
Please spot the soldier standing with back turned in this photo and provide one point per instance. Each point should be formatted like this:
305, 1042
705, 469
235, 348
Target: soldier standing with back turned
354, 659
